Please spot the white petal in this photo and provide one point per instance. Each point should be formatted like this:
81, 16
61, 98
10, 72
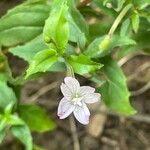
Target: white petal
82, 114
84, 90
65, 108
72, 84
66, 91
92, 98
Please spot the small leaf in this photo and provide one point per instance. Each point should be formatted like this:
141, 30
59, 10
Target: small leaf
56, 29
135, 22
22, 132
7, 95
82, 64
114, 91
42, 62
36, 118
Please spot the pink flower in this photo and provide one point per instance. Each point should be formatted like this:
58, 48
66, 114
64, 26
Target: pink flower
75, 99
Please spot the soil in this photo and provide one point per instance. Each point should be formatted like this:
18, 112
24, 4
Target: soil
109, 131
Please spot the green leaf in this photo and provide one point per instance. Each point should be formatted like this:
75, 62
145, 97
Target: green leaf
94, 49
98, 28
114, 91
36, 118
22, 24
124, 31
42, 61
22, 132
141, 4
142, 44
30, 49
78, 26
7, 95
14, 120
135, 21
76, 35
56, 29
82, 64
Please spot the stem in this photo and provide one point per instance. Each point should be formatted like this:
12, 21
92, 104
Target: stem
70, 71
74, 133
118, 19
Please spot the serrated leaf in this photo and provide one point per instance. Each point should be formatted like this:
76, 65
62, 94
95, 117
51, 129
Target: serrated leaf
56, 29
30, 49
7, 95
114, 91
36, 118
82, 64
42, 61
22, 24
22, 132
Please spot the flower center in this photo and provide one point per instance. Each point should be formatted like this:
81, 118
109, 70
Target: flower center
77, 100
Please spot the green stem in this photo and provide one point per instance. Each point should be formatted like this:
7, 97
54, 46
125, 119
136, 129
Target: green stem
70, 71
118, 19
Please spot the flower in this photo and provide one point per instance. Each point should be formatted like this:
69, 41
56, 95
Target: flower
75, 99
